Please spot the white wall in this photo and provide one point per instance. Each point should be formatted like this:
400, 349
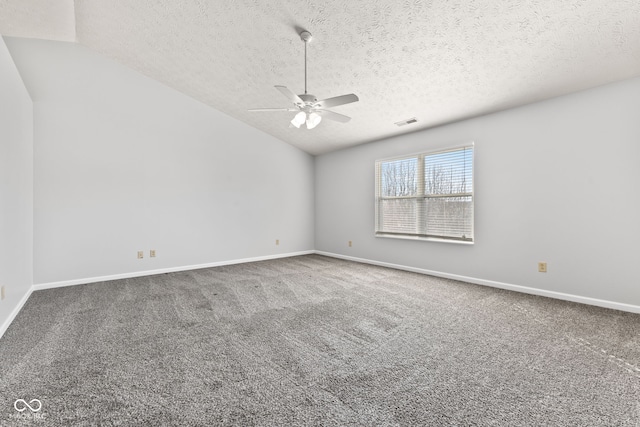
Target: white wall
16, 188
556, 181
123, 163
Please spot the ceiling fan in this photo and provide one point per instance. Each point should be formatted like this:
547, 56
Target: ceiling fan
308, 108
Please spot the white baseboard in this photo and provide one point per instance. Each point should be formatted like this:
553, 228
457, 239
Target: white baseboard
87, 280
51, 285
517, 288
16, 310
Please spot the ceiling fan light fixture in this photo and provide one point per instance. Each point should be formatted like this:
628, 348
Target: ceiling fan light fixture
313, 120
299, 119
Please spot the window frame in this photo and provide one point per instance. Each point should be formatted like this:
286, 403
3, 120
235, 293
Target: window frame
420, 195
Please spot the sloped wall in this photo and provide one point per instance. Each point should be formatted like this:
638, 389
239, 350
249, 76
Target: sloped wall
124, 164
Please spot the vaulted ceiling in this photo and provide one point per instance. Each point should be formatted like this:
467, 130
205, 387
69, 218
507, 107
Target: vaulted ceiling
438, 61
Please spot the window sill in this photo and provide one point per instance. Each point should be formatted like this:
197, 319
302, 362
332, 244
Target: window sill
426, 239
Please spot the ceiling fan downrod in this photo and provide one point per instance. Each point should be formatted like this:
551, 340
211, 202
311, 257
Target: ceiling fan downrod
306, 38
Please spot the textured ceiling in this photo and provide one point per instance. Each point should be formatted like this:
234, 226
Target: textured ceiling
439, 61
51, 20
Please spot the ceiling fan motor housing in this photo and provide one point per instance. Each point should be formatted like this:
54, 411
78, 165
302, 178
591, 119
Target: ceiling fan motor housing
308, 99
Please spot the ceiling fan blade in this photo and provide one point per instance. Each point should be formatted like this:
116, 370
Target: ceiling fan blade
333, 116
290, 95
336, 100
273, 109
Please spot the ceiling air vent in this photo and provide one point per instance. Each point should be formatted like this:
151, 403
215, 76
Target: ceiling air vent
406, 122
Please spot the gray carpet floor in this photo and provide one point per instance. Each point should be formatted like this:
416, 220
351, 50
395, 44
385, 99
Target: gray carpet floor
311, 340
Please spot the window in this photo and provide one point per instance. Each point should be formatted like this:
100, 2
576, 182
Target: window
427, 195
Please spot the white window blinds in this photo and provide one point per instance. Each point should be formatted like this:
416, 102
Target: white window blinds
428, 195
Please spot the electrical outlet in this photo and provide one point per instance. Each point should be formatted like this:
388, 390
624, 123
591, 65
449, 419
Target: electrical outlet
350, 243
277, 242
152, 253
542, 267
2, 293
140, 254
